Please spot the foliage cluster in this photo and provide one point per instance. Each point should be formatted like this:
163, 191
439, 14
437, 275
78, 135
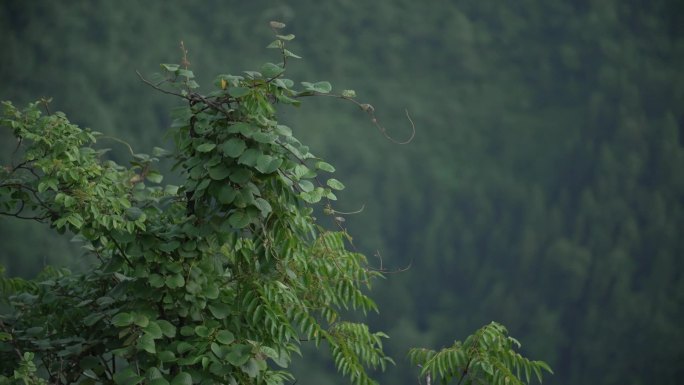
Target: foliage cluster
486, 357
217, 280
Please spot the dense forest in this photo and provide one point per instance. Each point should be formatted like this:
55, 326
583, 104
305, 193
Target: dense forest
543, 188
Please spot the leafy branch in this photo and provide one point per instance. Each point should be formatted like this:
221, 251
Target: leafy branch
216, 280
487, 356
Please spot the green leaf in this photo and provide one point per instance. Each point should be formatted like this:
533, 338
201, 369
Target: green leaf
186, 73
325, 166
240, 175
127, 377
89, 362
122, 319
189, 360
283, 130
146, 343
154, 330
159, 381
205, 147
182, 379
286, 100
153, 372
133, 213
167, 328
219, 172
155, 177
175, 267
249, 157
239, 219
202, 331
175, 281
537, 372
311, 196
210, 291
75, 220
114, 264
335, 184
219, 310
170, 67
267, 164
264, 137
91, 319
236, 127
159, 152
306, 185
544, 366
284, 83
170, 189
226, 194
320, 87
301, 171
287, 37
248, 130
487, 367
270, 70
141, 320
238, 92
275, 44
184, 347
263, 206
251, 367
288, 53
221, 369
253, 74
349, 93
218, 350
244, 197
234, 147
225, 337
239, 354
169, 246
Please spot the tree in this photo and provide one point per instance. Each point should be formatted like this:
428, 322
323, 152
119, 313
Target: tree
216, 280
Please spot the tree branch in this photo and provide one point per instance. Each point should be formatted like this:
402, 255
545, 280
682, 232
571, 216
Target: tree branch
149, 83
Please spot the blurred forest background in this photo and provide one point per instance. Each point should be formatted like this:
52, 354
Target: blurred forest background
544, 188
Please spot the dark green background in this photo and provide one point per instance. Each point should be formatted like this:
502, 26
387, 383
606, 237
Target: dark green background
544, 189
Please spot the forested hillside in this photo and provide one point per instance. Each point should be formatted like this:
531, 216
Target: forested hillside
544, 187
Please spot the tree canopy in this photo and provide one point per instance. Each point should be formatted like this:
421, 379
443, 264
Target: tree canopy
217, 280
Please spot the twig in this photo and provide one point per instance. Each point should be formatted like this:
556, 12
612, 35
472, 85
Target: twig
46, 102
123, 254
382, 129
465, 372
149, 83
130, 149
382, 270
371, 112
184, 60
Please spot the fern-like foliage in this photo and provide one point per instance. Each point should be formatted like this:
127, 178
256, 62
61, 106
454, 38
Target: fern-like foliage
486, 357
352, 345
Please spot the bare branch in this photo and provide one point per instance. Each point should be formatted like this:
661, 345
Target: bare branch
370, 110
